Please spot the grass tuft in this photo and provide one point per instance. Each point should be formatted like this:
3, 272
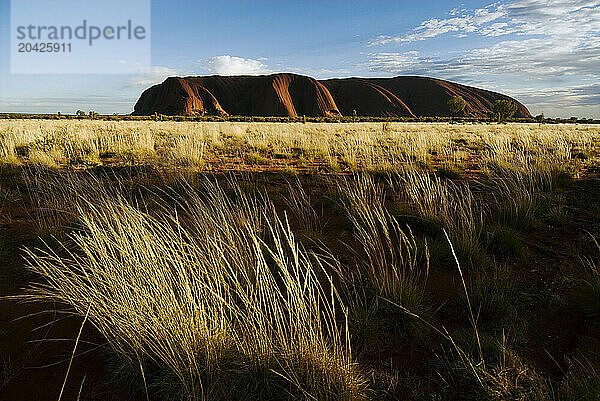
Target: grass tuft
216, 297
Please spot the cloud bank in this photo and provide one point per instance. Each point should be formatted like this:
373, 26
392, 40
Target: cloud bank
231, 65
153, 75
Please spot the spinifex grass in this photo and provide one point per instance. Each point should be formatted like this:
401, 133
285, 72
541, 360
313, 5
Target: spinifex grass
216, 297
445, 205
390, 267
389, 256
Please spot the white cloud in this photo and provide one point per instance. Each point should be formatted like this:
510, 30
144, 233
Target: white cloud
523, 17
461, 21
579, 100
562, 39
532, 59
231, 65
319, 73
147, 76
571, 96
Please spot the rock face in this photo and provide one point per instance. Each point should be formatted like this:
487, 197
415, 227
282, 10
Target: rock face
291, 95
286, 95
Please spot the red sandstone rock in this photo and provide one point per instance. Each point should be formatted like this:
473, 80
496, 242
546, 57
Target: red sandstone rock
292, 95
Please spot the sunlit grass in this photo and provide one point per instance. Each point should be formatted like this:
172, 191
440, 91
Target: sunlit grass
453, 149
218, 297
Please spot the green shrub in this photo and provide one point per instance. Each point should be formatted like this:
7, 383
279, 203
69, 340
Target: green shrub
504, 109
255, 158
587, 296
451, 170
504, 241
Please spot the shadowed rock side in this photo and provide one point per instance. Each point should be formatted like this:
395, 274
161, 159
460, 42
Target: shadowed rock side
178, 96
291, 95
367, 98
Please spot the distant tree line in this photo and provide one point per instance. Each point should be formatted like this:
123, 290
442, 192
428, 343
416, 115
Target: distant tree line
503, 111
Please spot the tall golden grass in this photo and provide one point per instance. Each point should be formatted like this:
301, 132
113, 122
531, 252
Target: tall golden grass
216, 294
389, 253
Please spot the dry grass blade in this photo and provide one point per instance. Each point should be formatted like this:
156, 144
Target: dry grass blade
62, 389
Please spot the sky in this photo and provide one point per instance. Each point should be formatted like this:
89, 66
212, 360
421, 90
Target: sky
545, 53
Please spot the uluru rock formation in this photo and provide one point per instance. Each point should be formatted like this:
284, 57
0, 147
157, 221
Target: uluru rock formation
291, 95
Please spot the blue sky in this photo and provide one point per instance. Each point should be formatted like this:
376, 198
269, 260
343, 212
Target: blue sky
546, 53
